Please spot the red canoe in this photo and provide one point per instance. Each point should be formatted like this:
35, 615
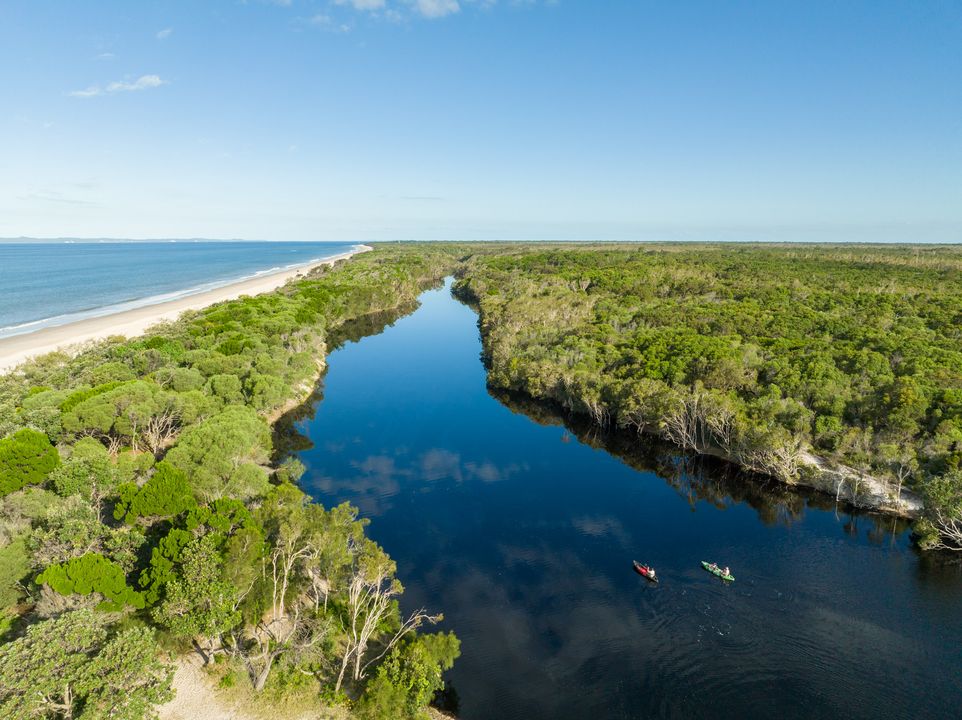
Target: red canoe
644, 570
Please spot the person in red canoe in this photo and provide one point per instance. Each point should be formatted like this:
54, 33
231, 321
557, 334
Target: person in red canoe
651, 571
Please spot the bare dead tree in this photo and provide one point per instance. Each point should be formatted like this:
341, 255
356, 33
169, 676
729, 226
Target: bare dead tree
369, 601
681, 423
950, 530
288, 551
295, 633
161, 428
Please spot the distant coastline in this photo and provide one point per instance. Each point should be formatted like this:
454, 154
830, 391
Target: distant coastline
16, 349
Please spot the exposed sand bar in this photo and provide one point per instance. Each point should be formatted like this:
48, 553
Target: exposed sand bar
71, 337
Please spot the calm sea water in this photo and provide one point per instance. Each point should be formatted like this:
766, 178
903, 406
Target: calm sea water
523, 535
44, 284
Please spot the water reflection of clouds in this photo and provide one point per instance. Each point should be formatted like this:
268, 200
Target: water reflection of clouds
377, 478
532, 641
597, 526
371, 487
438, 464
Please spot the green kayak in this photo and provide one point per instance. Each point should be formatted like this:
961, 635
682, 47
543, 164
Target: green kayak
715, 570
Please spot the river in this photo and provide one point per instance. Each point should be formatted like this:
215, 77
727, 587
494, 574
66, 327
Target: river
522, 531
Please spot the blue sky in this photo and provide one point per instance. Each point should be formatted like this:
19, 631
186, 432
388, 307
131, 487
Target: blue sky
475, 119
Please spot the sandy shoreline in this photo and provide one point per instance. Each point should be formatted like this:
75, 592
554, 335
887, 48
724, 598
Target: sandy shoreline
15, 350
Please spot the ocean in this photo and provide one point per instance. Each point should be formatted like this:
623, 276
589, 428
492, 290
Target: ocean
43, 284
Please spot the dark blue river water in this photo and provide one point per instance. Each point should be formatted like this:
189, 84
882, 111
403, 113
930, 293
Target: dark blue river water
522, 534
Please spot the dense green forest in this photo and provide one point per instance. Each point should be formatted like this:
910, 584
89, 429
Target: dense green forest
145, 512
775, 357
141, 517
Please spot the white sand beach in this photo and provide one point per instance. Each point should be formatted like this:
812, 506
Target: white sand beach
129, 323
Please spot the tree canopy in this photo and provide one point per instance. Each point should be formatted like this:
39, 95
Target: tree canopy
26, 457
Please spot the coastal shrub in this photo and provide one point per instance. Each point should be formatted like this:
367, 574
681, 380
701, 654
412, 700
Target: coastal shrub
266, 391
223, 516
41, 410
165, 494
26, 457
131, 466
168, 347
92, 573
74, 663
408, 678
91, 477
198, 601
78, 396
179, 379
14, 568
222, 456
65, 529
111, 372
138, 413
165, 556
227, 388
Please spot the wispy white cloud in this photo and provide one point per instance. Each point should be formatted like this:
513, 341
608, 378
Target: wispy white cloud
436, 8
55, 196
165, 33
363, 4
397, 11
92, 91
321, 20
144, 82
106, 56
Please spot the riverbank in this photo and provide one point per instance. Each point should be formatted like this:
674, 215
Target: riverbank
733, 354
72, 337
844, 484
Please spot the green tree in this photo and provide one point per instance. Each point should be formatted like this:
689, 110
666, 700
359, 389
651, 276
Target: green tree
92, 573
222, 456
70, 667
164, 560
165, 494
199, 603
137, 413
92, 477
25, 457
41, 410
941, 527
408, 678
14, 568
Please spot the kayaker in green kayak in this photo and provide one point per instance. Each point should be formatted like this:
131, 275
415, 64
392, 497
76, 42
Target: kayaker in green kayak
715, 570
